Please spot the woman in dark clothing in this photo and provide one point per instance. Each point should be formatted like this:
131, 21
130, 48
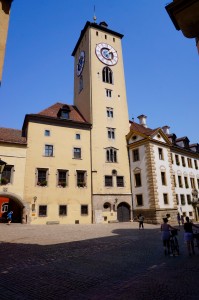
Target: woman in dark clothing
188, 235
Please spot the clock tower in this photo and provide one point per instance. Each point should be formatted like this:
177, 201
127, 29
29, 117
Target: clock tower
100, 95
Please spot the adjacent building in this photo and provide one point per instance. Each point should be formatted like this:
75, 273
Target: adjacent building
164, 173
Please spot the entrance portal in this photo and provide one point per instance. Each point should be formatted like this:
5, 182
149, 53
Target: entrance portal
9, 202
123, 212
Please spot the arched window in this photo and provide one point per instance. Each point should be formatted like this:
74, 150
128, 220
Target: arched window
107, 75
111, 155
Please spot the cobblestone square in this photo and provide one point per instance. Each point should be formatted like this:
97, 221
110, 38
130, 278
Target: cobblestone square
113, 261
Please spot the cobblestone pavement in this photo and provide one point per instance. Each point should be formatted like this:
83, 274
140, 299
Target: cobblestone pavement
92, 262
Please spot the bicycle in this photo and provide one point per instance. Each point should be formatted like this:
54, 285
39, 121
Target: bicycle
174, 246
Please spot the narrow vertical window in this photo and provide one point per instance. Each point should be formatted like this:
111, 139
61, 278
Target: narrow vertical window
107, 75
165, 199
109, 112
81, 178
160, 152
111, 133
136, 155
138, 180
163, 177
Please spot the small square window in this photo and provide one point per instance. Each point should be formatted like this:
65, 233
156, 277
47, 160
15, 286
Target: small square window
77, 136
47, 133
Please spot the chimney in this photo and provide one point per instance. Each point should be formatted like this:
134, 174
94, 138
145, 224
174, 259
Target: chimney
142, 119
166, 129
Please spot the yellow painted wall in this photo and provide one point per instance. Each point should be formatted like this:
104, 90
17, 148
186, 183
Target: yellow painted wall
63, 140
14, 155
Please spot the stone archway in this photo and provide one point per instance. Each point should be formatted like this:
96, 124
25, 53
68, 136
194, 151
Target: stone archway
18, 206
123, 212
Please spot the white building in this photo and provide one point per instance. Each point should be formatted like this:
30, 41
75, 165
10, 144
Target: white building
164, 172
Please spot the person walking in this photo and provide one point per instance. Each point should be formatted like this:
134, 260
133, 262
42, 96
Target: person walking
188, 236
165, 229
9, 217
141, 221
182, 219
178, 218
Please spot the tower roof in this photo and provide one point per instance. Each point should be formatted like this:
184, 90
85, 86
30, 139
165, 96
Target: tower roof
96, 26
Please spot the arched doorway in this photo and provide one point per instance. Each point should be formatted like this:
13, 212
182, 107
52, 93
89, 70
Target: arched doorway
10, 201
123, 212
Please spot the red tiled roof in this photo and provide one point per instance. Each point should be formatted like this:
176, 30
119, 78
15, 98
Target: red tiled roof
52, 111
10, 135
140, 128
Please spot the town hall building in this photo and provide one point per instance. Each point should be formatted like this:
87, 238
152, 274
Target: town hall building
87, 163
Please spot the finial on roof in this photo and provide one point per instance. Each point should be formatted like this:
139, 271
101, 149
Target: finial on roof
94, 16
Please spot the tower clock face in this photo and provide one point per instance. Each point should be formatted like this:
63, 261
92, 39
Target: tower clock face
106, 54
80, 64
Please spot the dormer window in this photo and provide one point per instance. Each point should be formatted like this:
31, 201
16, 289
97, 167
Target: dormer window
64, 112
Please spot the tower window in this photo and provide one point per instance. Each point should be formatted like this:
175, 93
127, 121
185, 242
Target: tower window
108, 93
47, 133
113, 39
107, 75
96, 33
109, 112
81, 85
111, 133
111, 155
105, 36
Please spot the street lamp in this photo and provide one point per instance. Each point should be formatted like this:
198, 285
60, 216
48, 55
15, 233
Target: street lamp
2, 165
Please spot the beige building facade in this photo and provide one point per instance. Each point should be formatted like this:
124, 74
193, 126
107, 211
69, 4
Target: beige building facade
5, 6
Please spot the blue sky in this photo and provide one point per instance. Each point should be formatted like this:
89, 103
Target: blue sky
161, 65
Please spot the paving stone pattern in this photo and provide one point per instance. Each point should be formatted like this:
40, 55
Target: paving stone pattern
93, 262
